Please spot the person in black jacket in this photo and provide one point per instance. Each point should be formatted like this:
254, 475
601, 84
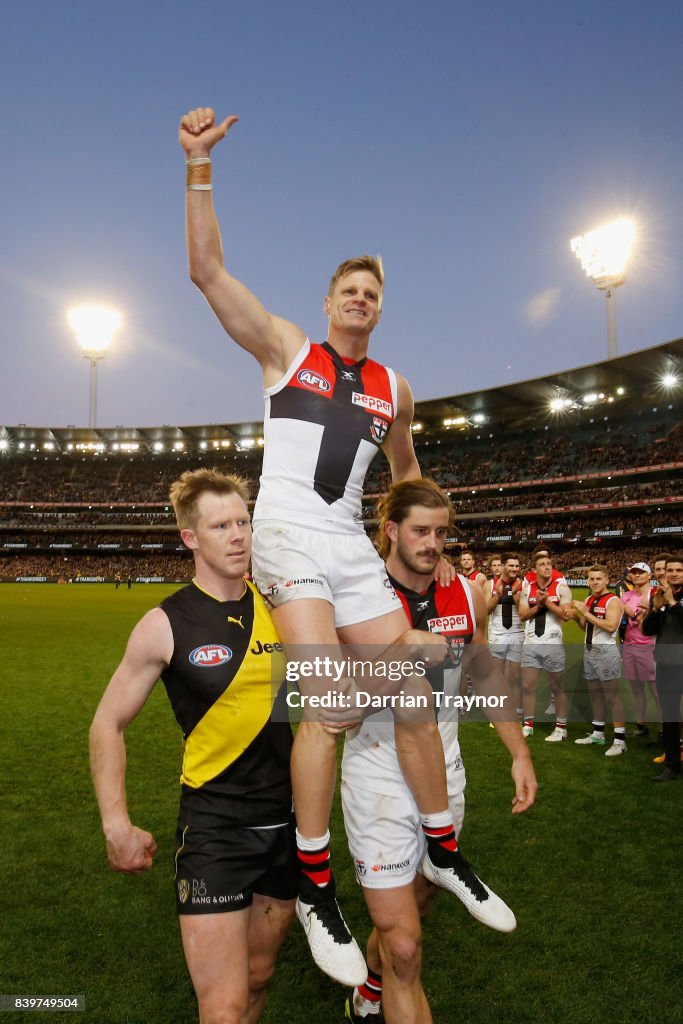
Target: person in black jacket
665, 622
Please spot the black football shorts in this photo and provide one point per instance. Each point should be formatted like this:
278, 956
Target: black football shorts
219, 869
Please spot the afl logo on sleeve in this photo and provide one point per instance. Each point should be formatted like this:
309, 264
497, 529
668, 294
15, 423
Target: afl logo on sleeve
314, 381
210, 655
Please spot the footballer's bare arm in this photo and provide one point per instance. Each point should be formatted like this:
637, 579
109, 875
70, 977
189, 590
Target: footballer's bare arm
149, 650
272, 340
398, 446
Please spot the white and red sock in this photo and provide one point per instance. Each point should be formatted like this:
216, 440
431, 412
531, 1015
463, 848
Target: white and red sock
314, 858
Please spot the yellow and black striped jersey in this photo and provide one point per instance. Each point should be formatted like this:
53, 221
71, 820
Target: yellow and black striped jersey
224, 682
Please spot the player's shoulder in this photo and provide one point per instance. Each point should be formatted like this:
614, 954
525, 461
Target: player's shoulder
459, 597
459, 579
291, 337
180, 598
151, 638
381, 376
155, 618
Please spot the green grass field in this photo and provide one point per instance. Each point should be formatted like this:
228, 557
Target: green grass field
592, 871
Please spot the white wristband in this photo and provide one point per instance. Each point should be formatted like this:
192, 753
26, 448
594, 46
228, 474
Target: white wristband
198, 160
199, 188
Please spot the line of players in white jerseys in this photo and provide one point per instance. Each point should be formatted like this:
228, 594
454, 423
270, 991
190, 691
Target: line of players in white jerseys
526, 616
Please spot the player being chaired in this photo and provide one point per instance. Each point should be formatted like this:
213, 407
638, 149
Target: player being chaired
328, 410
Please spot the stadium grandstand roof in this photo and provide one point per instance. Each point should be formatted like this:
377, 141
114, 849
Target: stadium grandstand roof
623, 378
639, 374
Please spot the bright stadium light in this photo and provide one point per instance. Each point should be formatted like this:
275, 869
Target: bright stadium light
560, 402
94, 327
604, 255
669, 380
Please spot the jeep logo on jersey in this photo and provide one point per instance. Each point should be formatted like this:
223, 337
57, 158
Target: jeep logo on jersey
260, 648
373, 404
314, 381
210, 655
447, 624
378, 429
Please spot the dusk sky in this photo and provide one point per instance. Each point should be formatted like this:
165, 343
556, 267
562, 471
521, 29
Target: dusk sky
465, 143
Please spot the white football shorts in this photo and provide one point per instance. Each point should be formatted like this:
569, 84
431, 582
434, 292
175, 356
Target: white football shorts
506, 646
602, 662
385, 833
549, 656
290, 563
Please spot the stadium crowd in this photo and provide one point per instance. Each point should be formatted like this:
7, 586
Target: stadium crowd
525, 499
455, 461
168, 564
520, 456
113, 516
525, 528
72, 566
140, 480
83, 501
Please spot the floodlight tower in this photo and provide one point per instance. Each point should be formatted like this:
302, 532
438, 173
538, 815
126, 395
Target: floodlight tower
604, 255
94, 327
